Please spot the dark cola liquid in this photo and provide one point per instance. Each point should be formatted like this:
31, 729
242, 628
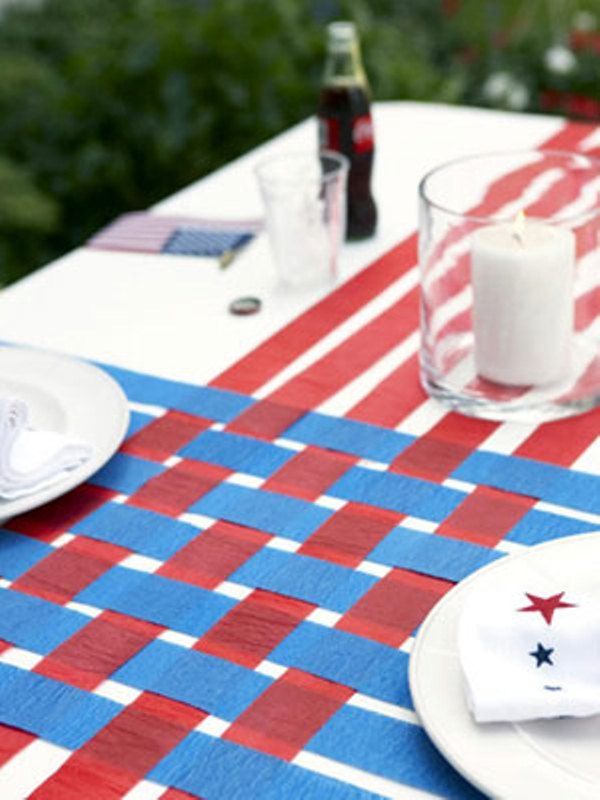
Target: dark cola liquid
345, 126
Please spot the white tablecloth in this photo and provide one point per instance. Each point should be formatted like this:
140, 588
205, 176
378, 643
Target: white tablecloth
168, 314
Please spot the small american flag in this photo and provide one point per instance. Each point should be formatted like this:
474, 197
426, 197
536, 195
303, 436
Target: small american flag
143, 232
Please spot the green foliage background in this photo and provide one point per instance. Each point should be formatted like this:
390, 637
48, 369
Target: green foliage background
109, 105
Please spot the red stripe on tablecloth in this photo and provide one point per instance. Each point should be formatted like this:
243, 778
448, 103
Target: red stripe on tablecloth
177, 794
212, 557
254, 627
350, 534
309, 473
50, 521
393, 608
93, 654
394, 398
358, 352
263, 363
437, 454
563, 441
288, 714
173, 491
164, 436
265, 420
486, 516
122, 753
70, 569
12, 741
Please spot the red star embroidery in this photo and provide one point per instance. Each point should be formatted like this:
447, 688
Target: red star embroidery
546, 605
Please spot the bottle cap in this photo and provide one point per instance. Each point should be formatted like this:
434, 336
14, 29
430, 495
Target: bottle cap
342, 32
244, 306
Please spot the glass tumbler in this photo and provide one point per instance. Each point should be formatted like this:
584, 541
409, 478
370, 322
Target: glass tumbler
509, 254
305, 200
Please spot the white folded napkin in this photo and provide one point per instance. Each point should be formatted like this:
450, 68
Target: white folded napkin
31, 460
531, 652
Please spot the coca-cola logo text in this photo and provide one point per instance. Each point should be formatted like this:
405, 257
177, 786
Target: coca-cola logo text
362, 134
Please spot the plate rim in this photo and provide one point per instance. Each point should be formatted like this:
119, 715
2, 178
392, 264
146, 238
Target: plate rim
436, 736
86, 470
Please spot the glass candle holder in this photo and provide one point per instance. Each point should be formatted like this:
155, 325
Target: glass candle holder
509, 252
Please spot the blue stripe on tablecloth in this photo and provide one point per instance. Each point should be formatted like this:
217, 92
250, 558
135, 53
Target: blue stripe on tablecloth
204, 401
214, 768
36, 624
268, 511
150, 597
560, 485
320, 582
432, 554
364, 665
391, 748
410, 496
19, 553
349, 436
57, 712
237, 452
136, 529
198, 679
541, 526
124, 473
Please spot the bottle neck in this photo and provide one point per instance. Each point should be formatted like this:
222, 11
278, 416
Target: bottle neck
344, 65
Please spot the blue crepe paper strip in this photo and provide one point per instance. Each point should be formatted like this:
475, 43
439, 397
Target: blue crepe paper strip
199, 679
203, 401
541, 526
62, 714
559, 485
137, 529
432, 554
209, 767
238, 453
35, 624
349, 436
397, 750
126, 474
268, 511
304, 578
19, 553
151, 597
409, 496
367, 666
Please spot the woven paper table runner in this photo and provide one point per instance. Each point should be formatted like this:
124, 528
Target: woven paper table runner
226, 609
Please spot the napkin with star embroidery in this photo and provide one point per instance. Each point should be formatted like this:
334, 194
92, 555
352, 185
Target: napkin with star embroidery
530, 652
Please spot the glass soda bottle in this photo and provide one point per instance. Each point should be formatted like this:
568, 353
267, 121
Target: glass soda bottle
345, 125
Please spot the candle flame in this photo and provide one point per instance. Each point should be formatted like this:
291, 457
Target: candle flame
519, 227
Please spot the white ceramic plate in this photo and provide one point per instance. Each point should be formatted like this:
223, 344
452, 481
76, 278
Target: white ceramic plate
549, 759
69, 396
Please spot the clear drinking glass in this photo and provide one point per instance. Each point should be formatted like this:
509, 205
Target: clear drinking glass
509, 252
305, 201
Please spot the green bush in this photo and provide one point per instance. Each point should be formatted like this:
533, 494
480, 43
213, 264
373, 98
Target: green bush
109, 105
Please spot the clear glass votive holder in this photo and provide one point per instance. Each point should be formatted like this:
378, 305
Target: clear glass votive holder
509, 254
305, 201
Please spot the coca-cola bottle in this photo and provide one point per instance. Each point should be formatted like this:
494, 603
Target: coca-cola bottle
345, 125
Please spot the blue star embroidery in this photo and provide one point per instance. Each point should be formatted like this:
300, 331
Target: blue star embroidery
542, 655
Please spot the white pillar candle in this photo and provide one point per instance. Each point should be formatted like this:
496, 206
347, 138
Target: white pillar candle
523, 305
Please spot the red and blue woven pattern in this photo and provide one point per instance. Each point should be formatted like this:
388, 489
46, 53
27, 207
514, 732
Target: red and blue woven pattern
227, 608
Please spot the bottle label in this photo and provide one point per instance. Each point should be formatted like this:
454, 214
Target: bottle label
361, 129
362, 134
329, 133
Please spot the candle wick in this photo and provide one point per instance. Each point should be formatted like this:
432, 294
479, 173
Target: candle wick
519, 237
